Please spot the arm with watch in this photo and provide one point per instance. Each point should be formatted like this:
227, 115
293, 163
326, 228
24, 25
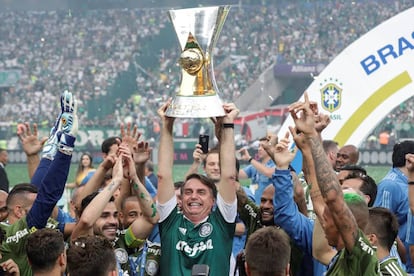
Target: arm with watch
258, 165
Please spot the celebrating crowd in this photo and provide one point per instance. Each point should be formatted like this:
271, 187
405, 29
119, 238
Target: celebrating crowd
329, 217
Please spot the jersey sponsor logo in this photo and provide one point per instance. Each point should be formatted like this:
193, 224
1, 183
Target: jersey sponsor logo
367, 248
249, 208
184, 247
205, 229
16, 237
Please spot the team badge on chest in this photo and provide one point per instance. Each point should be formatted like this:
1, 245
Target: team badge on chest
205, 229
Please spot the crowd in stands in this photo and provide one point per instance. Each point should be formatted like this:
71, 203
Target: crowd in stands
88, 51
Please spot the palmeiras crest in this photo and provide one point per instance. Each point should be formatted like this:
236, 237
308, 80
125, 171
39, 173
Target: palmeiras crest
331, 96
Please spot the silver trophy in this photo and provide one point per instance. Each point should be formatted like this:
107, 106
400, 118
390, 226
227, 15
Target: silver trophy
197, 30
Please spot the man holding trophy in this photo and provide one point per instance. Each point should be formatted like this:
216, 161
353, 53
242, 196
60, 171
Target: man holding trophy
198, 235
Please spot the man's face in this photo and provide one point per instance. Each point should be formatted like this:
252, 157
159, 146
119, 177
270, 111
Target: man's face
344, 157
266, 205
107, 224
197, 200
132, 210
212, 167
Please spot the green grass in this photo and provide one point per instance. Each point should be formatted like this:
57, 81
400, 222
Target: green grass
17, 173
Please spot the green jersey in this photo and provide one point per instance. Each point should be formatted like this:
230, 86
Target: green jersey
362, 260
134, 255
185, 244
14, 243
390, 267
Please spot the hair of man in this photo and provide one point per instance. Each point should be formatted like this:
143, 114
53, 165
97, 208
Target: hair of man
203, 179
268, 252
107, 143
384, 224
91, 255
19, 193
88, 199
399, 151
43, 248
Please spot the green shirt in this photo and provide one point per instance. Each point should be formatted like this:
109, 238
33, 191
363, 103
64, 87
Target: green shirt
130, 252
185, 244
390, 267
14, 243
362, 260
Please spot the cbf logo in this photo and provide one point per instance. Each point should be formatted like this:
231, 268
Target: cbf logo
331, 94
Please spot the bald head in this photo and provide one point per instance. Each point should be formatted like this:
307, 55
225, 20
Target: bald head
347, 155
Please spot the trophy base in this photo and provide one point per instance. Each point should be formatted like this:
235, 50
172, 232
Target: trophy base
195, 107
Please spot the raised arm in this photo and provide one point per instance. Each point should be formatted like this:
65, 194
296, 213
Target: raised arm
198, 158
31, 145
165, 157
96, 180
227, 183
143, 225
328, 183
95, 208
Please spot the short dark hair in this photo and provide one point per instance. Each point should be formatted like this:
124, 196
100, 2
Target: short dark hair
384, 224
268, 251
87, 199
353, 168
43, 249
21, 189
203, 179
108, 142
399, 151
368, 186
91, 255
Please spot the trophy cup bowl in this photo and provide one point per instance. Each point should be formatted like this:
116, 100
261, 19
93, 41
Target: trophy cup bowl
197, 30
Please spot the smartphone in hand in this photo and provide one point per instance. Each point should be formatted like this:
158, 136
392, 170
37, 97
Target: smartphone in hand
203, 141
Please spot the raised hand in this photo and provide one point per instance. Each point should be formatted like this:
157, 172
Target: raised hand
280, 153
130, 136
167, 121
198, 155
31, 144
231, 112
410, 165
321, 122
303, 116
141, 153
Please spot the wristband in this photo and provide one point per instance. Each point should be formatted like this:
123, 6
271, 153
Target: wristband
228, 125
250, 159
410, 182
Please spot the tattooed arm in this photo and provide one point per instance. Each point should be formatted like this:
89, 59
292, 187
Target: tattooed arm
95, 208
143, 225
327, 181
